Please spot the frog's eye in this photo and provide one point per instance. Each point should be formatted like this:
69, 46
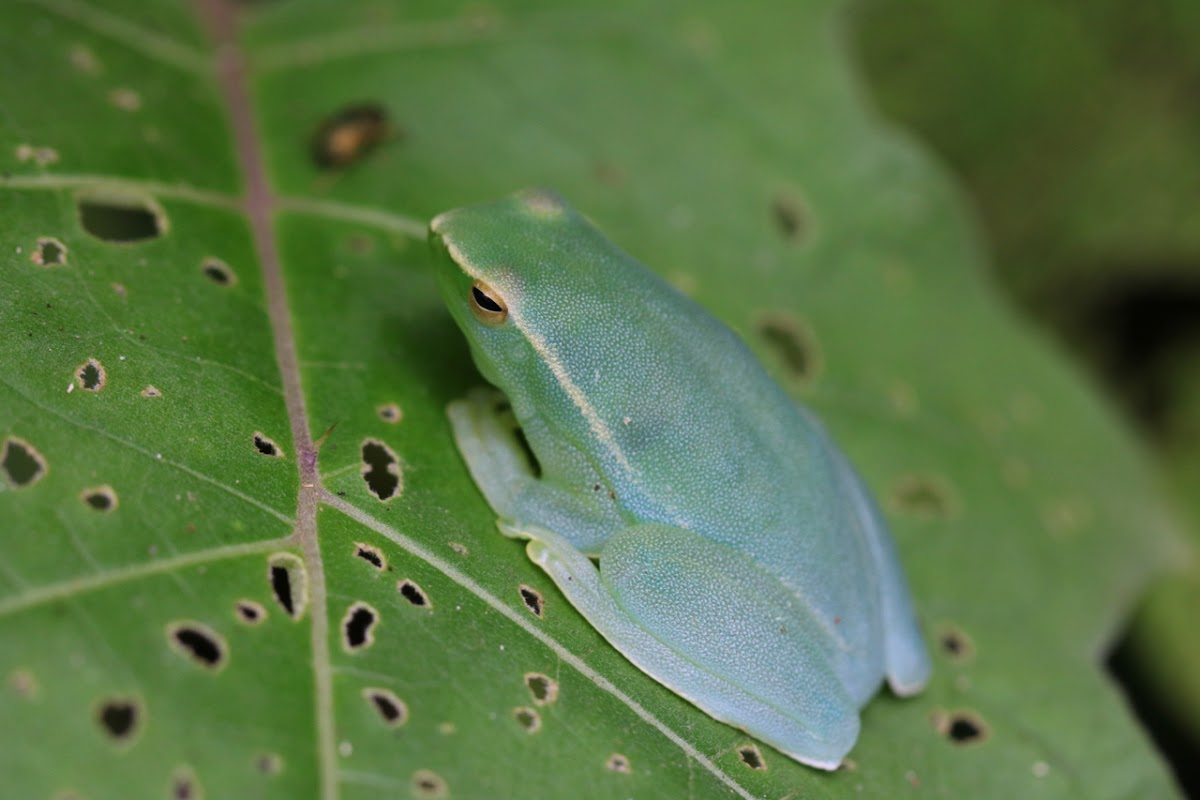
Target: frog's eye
487, 305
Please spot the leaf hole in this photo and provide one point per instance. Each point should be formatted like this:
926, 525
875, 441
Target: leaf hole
264, 445
199, 643
751, 757
391, 709
926, 497
372, 555
100, 498
90, 375
413, 593
358, 627
185, 785
289, 583
955, 644
427, 783
151, 391
618, 763
119, 719
269, 763
218, 272
49, 252
791, 216
528, 718
250, 612
349, 134
380, 470
542, 688
390, 413
119, 218
532, 599
21, 463
792, 342
961, 728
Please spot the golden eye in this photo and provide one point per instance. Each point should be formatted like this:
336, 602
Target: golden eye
487, 305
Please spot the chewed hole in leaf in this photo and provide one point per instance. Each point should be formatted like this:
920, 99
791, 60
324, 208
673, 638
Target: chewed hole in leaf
90, 375
427, 783
185, 785
961, 728
791, 216
751, 757
390, 708
358, 627
528, 718
21, 463
199, 643
100, 498
542, 688
955, 644
120, 218
289, 583
413, 593
250, 612
349, 134
269, 763
926, 497
218, 272
266, 446
618, 763
532, 599
390, 413
50, 252
119, 719
370, 554
151, 391
792, 342
380, 470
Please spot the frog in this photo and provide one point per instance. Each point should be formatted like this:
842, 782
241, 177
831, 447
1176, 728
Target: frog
698, 517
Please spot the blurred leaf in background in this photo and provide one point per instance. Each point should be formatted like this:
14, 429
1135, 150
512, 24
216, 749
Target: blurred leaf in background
239, 554
1076, 126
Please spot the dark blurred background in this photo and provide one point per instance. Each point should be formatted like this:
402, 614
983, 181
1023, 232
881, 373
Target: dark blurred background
1075, 127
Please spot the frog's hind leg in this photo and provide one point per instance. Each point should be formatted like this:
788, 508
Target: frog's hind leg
486, 436
906, 660
715, 628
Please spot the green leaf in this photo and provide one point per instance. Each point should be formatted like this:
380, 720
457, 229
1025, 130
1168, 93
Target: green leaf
1083, 163
249, 562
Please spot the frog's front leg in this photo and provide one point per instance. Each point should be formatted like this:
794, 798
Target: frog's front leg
714, 627
487, 435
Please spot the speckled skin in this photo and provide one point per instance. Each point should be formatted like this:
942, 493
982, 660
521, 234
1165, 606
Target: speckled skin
741, 561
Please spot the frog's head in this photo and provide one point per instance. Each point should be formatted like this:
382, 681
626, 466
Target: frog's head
508, 272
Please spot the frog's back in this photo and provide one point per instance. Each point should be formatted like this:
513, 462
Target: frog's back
696, 434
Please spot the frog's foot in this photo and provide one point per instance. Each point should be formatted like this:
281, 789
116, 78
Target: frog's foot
714, 628
487, 436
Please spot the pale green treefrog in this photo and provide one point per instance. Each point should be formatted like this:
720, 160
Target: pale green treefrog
705, 524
